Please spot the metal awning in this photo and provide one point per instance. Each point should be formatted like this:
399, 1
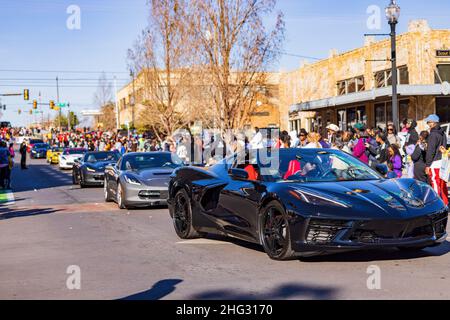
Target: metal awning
370, 95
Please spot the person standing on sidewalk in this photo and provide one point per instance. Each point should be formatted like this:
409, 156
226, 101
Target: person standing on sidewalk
436, 140
4, 163
23, 153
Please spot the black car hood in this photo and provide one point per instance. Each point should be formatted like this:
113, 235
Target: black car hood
375, 199
99, 165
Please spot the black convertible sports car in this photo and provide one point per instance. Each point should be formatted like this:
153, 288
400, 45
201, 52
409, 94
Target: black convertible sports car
305, 202
90, 170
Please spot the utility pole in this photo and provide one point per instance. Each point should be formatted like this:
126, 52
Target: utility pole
57, 100
117, 104
134, 100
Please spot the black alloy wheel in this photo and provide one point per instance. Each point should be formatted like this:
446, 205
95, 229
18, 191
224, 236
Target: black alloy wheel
274, 232
182, 216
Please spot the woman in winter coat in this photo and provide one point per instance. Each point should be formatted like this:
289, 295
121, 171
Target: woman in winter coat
419, 157
395, 160
360, 149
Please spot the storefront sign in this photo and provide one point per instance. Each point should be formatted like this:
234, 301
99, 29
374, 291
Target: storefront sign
443, 53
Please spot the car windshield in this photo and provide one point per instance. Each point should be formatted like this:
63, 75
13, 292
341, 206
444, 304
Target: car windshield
315, 165
101, 156
41, 146
74, 151
148, 161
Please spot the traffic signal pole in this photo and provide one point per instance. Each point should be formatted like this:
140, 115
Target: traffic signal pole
57, 99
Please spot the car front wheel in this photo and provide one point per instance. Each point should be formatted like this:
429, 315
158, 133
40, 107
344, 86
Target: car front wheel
182, 216
120, 197
274, 232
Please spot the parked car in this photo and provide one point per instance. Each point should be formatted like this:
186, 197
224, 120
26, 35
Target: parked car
140, 179
68, 157
446, 127
90, 170
306, 202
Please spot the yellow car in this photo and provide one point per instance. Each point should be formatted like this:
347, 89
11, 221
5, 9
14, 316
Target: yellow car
53, 155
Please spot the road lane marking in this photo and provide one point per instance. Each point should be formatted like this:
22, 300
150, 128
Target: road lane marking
204, 241
7, 197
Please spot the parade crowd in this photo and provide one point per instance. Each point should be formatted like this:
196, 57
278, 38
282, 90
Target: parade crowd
407, 153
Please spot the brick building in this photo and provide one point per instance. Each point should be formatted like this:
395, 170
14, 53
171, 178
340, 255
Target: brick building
347, 88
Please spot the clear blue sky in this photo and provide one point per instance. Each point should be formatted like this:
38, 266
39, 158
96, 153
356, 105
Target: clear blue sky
34, 36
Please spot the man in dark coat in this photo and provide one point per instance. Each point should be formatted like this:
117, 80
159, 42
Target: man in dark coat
436, 140
23, 154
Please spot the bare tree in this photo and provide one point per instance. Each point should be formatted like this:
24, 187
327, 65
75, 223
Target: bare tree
236, 50
162, 59
104, 93
103, 98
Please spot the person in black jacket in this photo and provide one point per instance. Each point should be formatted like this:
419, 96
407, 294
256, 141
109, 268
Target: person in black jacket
381, 151
436, 140
419, 157
23, 153
412, 137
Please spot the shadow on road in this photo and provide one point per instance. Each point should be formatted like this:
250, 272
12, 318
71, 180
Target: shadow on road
10, 213
382, 255
158, 291
286, 291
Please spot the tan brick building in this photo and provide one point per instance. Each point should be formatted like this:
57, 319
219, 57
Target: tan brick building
266, 113
347, 88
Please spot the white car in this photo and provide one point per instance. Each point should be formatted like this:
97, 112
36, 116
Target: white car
68, 157
446, 128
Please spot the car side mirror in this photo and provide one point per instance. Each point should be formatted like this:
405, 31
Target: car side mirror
382, 169
238, 174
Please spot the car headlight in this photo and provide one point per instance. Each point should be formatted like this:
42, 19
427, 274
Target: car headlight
90, 169
132, 180
316, 199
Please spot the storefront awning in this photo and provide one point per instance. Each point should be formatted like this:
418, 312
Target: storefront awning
370, 95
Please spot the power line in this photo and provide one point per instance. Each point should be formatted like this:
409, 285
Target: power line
284, 53
51, 79
61, 71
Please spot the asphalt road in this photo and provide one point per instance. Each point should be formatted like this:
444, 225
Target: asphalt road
51, 225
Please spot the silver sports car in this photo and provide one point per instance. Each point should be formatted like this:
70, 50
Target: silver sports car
140, 179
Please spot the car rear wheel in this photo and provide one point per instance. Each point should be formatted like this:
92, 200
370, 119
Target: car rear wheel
182, 216
106, 192
120, 197
82, 184
274, 232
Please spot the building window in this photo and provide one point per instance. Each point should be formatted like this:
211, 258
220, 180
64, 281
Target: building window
384, 78
443, 109
383, 113
443, 73
350, 86
403, 75
348, 117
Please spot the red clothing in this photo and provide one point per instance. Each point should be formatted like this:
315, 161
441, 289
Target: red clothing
439, 185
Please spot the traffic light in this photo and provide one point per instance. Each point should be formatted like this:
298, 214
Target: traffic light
34, 104
31, 111
20, 111
26, 94
52, 104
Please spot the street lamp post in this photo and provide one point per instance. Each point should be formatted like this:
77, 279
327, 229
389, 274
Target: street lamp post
134, 100
393, 15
